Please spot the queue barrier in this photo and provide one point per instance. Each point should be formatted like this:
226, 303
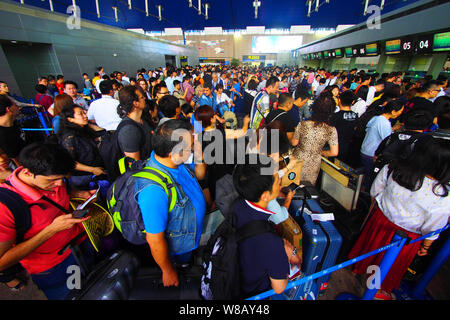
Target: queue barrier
398, 241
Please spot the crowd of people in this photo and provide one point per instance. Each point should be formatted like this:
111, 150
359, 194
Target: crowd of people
396, 128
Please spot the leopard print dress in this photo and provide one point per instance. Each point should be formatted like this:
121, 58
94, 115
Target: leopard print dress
311, 141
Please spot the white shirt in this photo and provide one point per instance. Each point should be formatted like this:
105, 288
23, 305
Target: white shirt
315, 85
223, 98
418, 211
440, 94
104, 112
97, 85
359, 107
370, 95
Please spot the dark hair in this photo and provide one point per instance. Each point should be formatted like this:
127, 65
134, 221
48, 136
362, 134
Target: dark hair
4, 103
157, 88
176, 82
272, 81
46, 159
362, 92
394, 105
106, 86
252, 85
67, 126
442, 105
65, 83
219, 86
204, 114
430, 156
127, 95
187, 108
248, 179
347, 85
428, 86
40, 88
322, 80
265, 135
347, 98
284, 99
207, 85
301, 92
322, 109
418, 119
162, 142
168, 105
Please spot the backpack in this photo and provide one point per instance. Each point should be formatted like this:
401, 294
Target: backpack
226, 194
397, 146
110, 151
19, 209
220, 261
123, 206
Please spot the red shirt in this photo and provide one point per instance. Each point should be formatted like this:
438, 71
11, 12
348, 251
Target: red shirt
46, 101
42, 214
60, 87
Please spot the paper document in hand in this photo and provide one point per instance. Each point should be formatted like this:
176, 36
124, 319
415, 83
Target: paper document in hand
84, 204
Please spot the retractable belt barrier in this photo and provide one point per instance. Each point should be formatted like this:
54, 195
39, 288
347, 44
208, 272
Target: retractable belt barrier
397, 243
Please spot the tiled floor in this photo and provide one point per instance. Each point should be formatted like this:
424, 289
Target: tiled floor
341, 281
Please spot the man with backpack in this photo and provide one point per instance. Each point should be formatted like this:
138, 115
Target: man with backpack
33, 226
261, 258
161, 203
262, 103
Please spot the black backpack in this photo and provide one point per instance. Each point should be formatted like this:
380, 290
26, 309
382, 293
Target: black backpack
398, 145
110, 150
220, 261
19, 209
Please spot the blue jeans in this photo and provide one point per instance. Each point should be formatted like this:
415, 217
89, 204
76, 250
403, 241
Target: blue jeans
53, 282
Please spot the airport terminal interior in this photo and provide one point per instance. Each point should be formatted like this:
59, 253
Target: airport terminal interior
224, 150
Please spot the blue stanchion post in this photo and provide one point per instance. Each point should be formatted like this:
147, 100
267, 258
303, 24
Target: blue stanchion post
387, 262
434, 267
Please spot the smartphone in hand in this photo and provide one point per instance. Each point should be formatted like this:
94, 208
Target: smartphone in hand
78, 214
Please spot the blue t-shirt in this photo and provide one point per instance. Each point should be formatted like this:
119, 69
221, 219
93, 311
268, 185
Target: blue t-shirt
154, 203
261, 256
210, 101
377, 129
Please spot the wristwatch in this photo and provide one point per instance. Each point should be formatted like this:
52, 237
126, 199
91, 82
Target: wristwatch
294, 252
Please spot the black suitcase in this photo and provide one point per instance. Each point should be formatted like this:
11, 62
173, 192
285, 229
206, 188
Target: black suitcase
149, 286
111, 279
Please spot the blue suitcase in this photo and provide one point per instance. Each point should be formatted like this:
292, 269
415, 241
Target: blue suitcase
321, 245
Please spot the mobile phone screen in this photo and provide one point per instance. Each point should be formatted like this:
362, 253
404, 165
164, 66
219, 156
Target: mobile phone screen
77, 214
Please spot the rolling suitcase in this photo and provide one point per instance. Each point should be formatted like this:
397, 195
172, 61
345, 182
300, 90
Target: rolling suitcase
321, 245
112, 279
149, 286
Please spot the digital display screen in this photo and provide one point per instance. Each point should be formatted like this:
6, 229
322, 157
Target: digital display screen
407, 45
424, 44
326, 54
371, 49
275, 44
338, 53
441, 41
349, 52
393, 46
319, 55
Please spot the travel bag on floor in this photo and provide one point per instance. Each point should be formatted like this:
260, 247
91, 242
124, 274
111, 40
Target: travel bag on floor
149, 285
112, 279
